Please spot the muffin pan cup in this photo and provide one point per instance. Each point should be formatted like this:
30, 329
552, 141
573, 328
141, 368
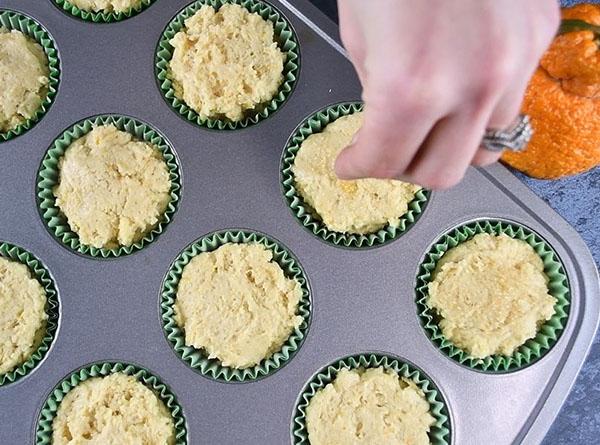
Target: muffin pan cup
41, 274
286, 40
10, 19
101, 16
308, 217
198, 358
361, 300
48, 175
558, 286
103, 369
439, 433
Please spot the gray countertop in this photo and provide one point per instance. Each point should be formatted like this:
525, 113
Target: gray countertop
576, 199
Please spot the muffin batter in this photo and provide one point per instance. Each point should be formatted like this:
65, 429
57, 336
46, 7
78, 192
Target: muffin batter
225, 62
358, 206
112, 188
491, 293
106, 5
366, 407
116, 409
236, 304
23, 78
22, 315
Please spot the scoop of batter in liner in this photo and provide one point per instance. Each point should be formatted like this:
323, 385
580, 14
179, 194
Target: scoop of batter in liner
236, 303
112, 188
226, 62
23, 78
116, 409
367, 407
491, 294
106, 5
358, 206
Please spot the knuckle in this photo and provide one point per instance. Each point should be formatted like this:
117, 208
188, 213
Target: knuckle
500, 71
382, 168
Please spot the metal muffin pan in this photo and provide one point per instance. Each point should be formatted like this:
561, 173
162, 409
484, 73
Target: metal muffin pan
362, 301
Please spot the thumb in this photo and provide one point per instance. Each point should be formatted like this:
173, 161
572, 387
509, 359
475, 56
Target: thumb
383, 147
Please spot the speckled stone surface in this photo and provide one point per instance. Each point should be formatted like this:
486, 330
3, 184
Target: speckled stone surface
576, 199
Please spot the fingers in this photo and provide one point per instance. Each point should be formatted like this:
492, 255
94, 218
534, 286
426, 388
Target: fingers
485, 157
444, 157
504, 115
385, 145
353, 39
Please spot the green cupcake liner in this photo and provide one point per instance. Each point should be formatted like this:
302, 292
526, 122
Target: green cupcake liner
440, 433
31, 28
39, 271
558, 286
101, 369
101, 16
284, 35
308, 217
197, 358
48, 176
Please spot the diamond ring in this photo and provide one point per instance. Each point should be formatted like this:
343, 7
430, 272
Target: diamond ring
513, 138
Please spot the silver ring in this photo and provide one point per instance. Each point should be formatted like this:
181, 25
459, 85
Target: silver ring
514, 138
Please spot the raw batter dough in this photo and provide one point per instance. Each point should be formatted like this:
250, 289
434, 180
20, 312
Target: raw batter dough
492, 294
361, 206
112, 188
106, 5
22, 315
23, 78
236, 303
112, 410
226, 62
368, 407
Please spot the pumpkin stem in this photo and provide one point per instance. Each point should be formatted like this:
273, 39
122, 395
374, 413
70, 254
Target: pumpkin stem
572, 25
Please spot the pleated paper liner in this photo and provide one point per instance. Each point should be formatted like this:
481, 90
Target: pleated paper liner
103, 369
41, 274
286, 40
308, 217
48, 177
101, 16
440, 432
198, 358
558, 286
15, 20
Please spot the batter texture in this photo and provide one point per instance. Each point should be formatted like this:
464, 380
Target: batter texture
23, 78
22, 315
236, 304
106, 5
112, 410
226, 62
491, 293
359, 206
112, 188
367, 407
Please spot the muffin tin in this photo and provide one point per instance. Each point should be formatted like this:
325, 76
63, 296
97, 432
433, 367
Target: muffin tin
363, 301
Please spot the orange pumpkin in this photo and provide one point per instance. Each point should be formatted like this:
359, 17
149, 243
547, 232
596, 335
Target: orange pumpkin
563, 101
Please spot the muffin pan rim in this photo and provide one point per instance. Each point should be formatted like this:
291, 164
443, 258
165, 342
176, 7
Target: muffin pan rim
362, 301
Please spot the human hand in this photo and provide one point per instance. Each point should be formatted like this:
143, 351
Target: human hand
435, 75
